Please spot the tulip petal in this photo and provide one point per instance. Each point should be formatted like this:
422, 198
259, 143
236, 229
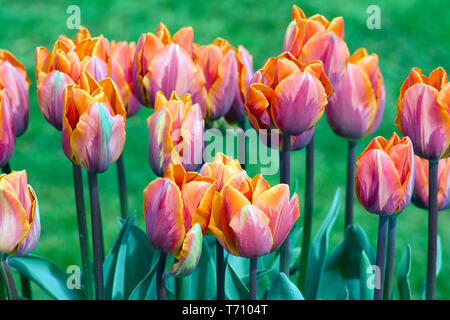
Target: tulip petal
7, 132
28, 244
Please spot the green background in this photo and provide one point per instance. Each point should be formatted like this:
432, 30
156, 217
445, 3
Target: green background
413, 33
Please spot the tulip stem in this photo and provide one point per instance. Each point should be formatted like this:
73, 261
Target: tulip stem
160, 281
307, 222
82, 231
351, 168
220, 271
285, 167
97, 237
432, 229
253, 282
243, 126
122, 187
8, 279
381, 256
390, 262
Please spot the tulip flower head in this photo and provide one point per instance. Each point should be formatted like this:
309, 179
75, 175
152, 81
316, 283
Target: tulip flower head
421, 183
316, 38
122, 54
165, 63
423, 113
287, 95
14, 78
356, 108
7, 132
64, 66
176, 133
219, 66
254, 222
385, 175
93, 132
20, 226
177, 210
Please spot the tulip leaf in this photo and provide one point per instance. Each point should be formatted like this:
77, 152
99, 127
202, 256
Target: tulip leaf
46, 275
235, 289
128, 261
203, 278
438, 267
332, 286
318, 251
284, 289
404, 269
146, 289
365, 291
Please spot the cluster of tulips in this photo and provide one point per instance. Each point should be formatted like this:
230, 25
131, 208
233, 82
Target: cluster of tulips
88, 87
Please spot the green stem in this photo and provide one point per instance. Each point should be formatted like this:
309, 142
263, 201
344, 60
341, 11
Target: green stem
285, 167
253, 282
220, 271
390, 261
351, 162
8, 279
381, 255
432, 229
160, 281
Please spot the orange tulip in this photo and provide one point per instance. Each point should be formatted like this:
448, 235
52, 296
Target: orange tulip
316, 38
423, 113
14, 78
385, 175
177, 210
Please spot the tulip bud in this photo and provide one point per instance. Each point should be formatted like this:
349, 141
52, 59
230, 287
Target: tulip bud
254, 223
93, 132
284, 89
7, 132
19, 215
177, 210
219, 66
14, 78
385, 175
421, 183
164, 63
316, 38
176, 133
355, 109
122, 54
423, 113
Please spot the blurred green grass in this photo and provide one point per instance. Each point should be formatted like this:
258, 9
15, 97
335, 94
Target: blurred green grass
413, 33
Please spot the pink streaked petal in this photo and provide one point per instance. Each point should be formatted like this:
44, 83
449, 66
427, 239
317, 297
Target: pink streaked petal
191, 131
97, 68
28, 244
7, 132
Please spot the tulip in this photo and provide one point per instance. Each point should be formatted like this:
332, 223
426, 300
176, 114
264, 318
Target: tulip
356, 108
422, 113
284, 89
316, 38
385, 175
255, 223
164, 63
14, 78
421, 183
176, 133
7, 132
177, 210
297, 142
122, 54
19, 215
64, 65
219, 66
93, 132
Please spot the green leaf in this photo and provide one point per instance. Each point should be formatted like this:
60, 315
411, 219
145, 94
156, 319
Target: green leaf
438, 267
284, 289
366, 293
235, 289
404, 287
318, 251
146, 289
45, 274
203, 279
332, 286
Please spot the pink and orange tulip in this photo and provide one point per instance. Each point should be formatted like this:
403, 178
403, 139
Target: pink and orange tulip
423, 113
7, 133
219, 66
14, 78
421, 183
20, 226
253, 222
64, 65
93, 133
122, 54
316, 38
177, 210
356, 108
385, 175
165, 63
176, 133
284, 89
